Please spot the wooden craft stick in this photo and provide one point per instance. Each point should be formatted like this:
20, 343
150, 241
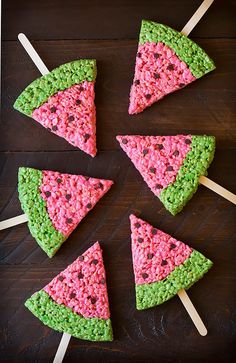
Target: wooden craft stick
218, 189
196, 17
33, 54
61, 351
13, 221
197, 321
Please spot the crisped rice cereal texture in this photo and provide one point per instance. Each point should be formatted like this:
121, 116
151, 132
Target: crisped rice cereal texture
63, 102
76, 300
166, 61
55, 203
162, 265
170, 165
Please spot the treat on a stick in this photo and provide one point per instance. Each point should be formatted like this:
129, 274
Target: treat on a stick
166, 61
63, 100
56, 203
170, 165
163, 266
76, 301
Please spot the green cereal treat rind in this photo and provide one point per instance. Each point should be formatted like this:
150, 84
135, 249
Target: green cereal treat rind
183, 277
187, 50
59, 79
63, 319
196, 163
40, 225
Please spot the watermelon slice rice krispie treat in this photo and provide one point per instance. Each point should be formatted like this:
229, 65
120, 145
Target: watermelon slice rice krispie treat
170, 165
162, 265
166, 61
76, 300
56, 203
63, 102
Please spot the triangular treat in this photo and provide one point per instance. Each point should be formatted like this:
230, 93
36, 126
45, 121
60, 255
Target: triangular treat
162, 265
76, 300
63, 102
170, 165
166, 62
55, 203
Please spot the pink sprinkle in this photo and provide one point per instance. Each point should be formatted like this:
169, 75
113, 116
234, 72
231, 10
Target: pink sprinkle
71, 114
157, 158
158, 71
155, 253
70, 197
82, 285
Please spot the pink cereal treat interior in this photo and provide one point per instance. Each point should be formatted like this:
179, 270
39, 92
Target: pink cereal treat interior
82, 285
71, 114
158, 71
155, 253
158, 158
70, 197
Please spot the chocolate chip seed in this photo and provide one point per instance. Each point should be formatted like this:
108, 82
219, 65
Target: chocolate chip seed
78, 102
47, 194
145, 152
93, 300
95, 262
61, 278
71, 118
137, 82
137, 225
103, 281
124, 141
59, 181
160, 146
89, 205
139, 55
81, 258
156, 55
140, 240
69, 220
72, 295
156, 75
144, 275
159, 186
68, 196
53, 109
176, 153
169, 168
154, 231
148, 96
81, 88
172, 246
54, 128
152, 170
150, 256
171, 67
187, 141
164, 262
181, 85
80, 275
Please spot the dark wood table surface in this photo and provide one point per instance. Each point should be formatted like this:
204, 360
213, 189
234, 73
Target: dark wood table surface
62, 31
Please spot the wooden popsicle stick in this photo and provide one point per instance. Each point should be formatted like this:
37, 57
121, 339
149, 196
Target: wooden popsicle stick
192, 312
13, 221
61, 350
33, 54
196, 17
217, 189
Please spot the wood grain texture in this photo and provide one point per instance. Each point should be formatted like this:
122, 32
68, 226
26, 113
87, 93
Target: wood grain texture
165, 333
